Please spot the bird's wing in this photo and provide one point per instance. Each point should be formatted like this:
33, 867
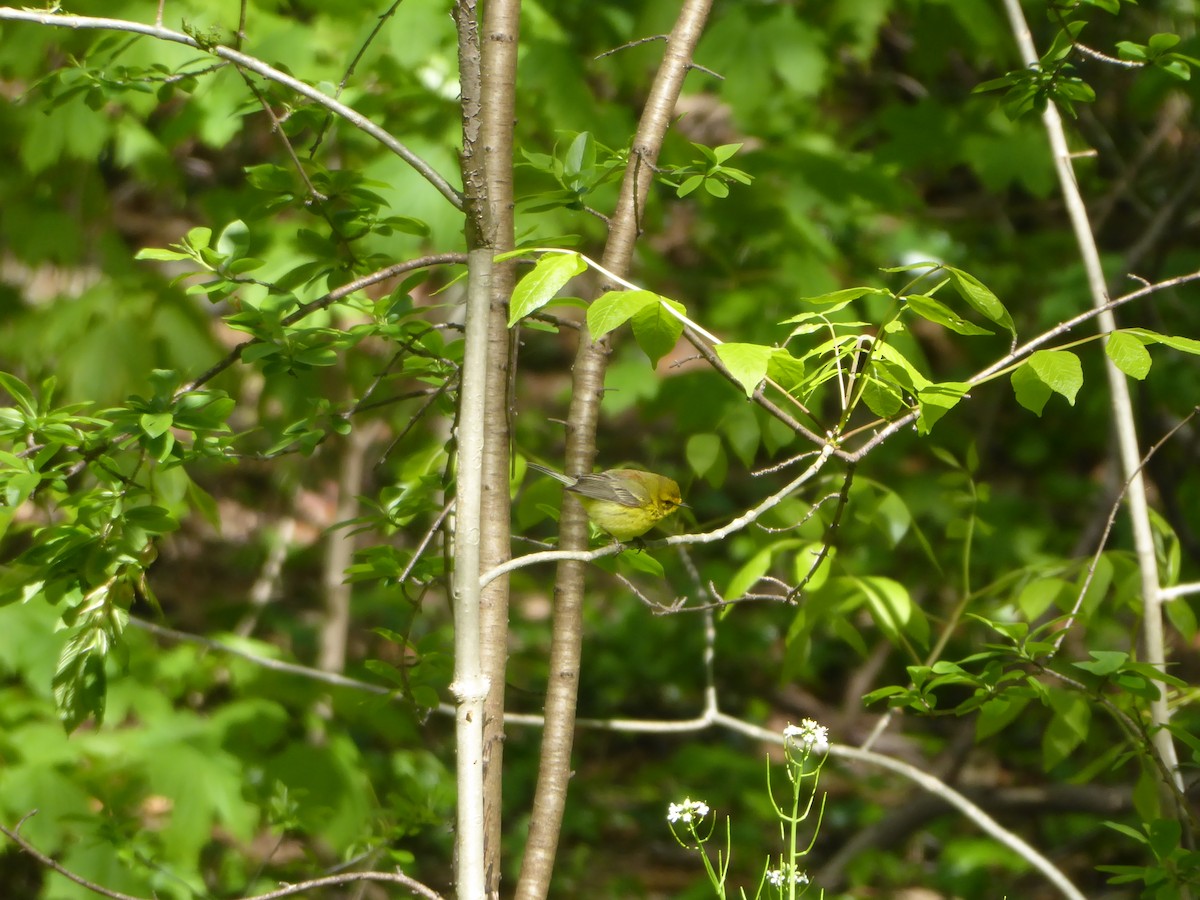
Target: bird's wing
605, 487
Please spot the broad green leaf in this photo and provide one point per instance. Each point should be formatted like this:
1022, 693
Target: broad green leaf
1031, 392
725, 152
656, 330
1182, 617
1162, 42
892, 608
1038, 596
882, 398
980, 298
1046, 372
749, 574
1097, 589
747, 363
234, 239
1060, 370
154, 519
716, 188
579, 164
703, 451
935, 400
538, 288
154, 424
614, 309
806, 556
642, 562
1067, 728
1128, 354
1063, 43
1166, 548
689, 185
1164, 838
937, 311
997, 713
1103, 662
19, 392
885, 352
199, 237
80, 684
786, 370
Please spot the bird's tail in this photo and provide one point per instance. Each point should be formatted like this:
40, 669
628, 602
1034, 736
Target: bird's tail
558, 476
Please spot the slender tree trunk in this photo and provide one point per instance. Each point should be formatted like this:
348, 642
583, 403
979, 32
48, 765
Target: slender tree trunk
471, 684
566, 643
498, 82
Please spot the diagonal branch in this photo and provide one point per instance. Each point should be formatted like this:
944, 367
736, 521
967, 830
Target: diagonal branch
591, 360
357, 119
1153, 637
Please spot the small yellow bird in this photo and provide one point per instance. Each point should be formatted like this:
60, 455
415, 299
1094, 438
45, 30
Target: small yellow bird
624, 502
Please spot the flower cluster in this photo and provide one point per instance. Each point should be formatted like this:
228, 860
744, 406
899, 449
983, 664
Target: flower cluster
688, 811
779, 877
809, 736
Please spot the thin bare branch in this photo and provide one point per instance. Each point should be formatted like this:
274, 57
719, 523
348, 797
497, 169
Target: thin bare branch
307, 309
51, 863
255, 65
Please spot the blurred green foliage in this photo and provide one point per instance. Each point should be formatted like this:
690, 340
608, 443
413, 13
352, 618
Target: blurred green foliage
151, 220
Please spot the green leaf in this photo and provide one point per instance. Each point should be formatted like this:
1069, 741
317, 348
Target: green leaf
656, 330
642, 562
785, 369
725, 152
997, 713
805, 557
882, 398
1063, 43
1038, 596
936, 311
703, 451
614, 309
689, 185
1104, 662
1128, 354
538, 288
716, 188
747, 363
234, 240
892, 607
838, 298
1161, 43
154, 519
980, 298
155, 424
1187, 345
160, 254
579, 164
1031, 392
19, 391
749, 574
1128, 831
1060, 370
1183, 617
198, 238
935, 400
80, 684
1046, 372
1067, 728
